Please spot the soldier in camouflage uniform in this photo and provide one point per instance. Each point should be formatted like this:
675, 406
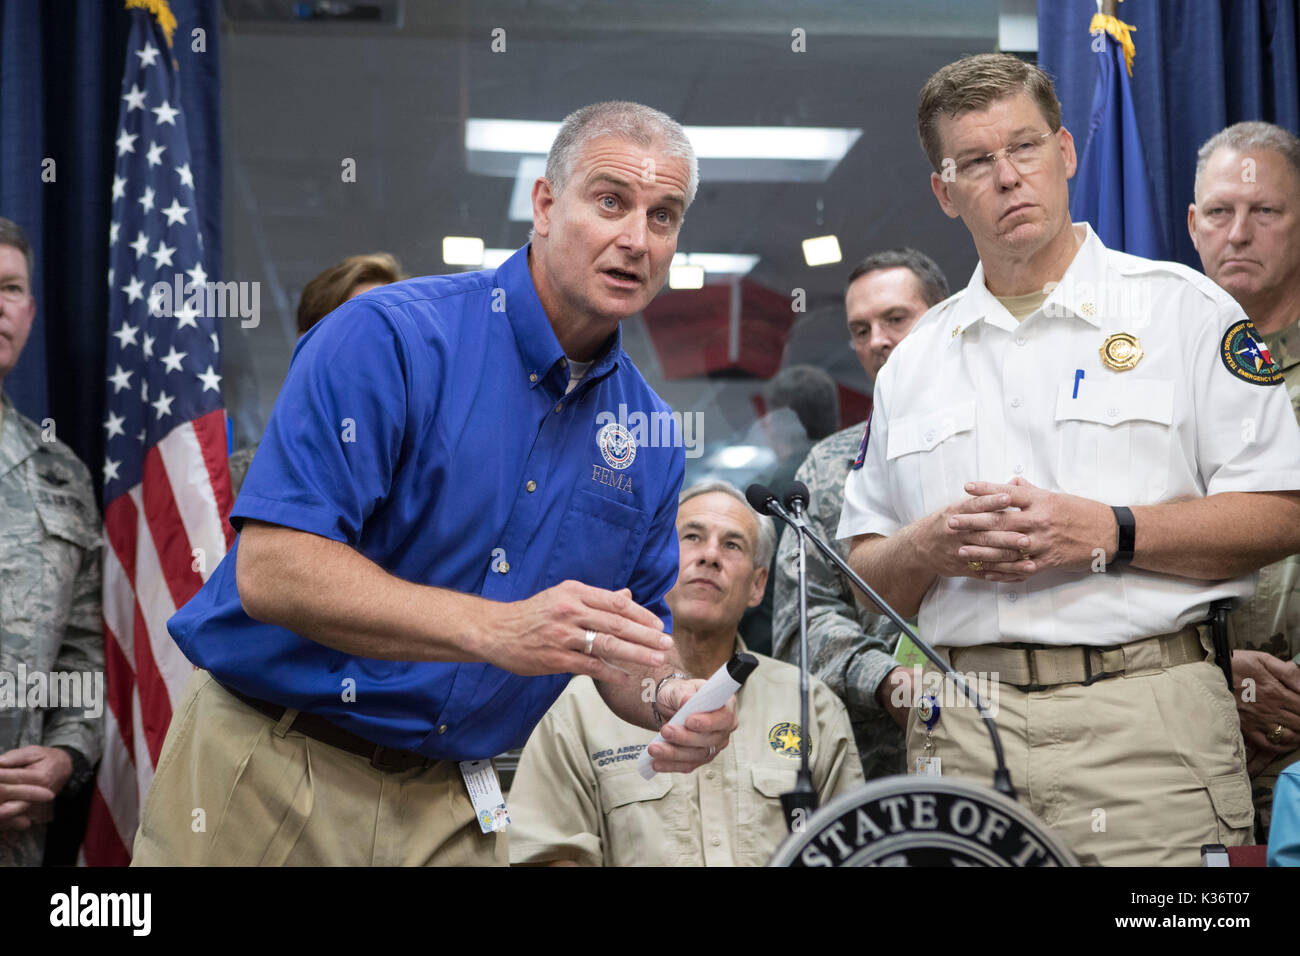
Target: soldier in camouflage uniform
850, 648
1247, 231
49, 596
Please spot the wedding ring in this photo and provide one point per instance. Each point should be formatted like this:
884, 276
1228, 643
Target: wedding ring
591, 639
1024, 555
712, 751
1275, 734
975, 565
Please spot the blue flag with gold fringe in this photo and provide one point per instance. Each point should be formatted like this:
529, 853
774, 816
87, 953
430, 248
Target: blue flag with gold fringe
1112, 188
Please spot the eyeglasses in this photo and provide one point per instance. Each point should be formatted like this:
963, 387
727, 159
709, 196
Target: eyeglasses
1025, 157
13, 292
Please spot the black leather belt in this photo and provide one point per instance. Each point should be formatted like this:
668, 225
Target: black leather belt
384, 759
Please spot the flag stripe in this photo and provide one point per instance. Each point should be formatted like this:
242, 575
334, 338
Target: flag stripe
119, 528
171, 544
121, 803
184, 459
143, 768
211, 432
103, 844
120, 685
149, 722
119, 599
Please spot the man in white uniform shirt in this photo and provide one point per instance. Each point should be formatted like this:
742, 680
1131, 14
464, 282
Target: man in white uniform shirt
1067, 463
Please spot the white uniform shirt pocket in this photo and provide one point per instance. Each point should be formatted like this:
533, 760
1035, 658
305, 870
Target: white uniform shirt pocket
1113, 439
934, 451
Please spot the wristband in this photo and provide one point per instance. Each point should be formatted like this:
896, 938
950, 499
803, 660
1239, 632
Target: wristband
654, 704
1127, 535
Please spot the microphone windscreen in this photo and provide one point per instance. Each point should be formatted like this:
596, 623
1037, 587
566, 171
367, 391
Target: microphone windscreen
796, 490
758, 496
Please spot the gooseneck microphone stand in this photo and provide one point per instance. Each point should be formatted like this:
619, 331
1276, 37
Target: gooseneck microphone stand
765, 501
800, 803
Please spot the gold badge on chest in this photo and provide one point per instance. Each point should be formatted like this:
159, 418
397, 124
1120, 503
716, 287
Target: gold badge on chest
1121, 351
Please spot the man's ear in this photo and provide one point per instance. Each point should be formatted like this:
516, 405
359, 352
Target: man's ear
1068, 152
543, 200
940, 189
757, 588
1191, 224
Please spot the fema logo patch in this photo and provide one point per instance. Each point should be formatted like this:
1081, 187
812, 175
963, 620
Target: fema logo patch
617, 445
862, 449
785, 737
1246, 356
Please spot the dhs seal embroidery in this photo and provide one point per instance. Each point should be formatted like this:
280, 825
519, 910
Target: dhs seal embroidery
1246, 356
617, 445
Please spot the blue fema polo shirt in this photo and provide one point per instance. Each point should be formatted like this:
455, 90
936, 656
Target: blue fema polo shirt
425, 424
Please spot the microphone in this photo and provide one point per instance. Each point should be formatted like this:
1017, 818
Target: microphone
801, 802
796, 496
761, 498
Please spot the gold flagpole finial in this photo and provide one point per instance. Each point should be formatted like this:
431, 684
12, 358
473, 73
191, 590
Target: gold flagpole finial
161, 12
1122, 33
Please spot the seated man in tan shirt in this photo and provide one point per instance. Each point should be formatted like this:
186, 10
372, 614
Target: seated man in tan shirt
578, 799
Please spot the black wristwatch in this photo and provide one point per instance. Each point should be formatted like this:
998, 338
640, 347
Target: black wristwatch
82, 771
1127, 535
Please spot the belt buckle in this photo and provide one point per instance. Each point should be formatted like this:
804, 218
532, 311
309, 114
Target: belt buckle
380, 759
1034, 686
395, 760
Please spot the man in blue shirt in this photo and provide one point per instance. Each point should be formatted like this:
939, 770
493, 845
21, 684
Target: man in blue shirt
446, 519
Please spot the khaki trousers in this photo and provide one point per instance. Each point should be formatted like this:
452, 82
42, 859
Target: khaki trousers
234, 788
1136, 770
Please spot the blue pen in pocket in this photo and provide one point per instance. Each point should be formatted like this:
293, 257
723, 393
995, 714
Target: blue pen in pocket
1078, 374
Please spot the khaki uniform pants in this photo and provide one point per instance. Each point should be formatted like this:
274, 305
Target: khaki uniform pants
1136, 770
269, 797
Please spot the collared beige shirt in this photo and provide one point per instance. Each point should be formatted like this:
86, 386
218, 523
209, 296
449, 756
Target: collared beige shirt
577, 795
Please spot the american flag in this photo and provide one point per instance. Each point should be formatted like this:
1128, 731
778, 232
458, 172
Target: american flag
166, 480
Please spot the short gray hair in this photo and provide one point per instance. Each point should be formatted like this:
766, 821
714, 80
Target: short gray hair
11, 234
1251, 135
766, 546
632, 121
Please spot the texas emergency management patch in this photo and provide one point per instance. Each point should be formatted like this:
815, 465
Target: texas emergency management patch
862, 449
785, 737
617, 445
1246, 356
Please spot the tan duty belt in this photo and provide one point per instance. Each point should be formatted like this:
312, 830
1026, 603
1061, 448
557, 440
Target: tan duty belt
1032, 667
